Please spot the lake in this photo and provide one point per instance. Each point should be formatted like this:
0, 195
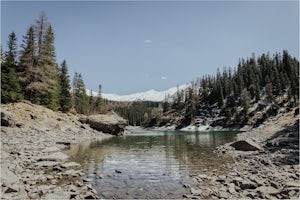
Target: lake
150, 164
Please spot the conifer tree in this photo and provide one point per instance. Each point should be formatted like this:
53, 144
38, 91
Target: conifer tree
27, 62
65, 97
10, 87
99, 102
39, 72
81, 102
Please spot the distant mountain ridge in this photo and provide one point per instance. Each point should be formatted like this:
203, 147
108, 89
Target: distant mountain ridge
150, 95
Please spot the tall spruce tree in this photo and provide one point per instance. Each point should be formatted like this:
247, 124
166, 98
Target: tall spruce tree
65, 97
40, 72
81, 102
10, 87
27, 62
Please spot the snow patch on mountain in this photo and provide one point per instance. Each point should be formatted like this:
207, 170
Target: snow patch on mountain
150, 95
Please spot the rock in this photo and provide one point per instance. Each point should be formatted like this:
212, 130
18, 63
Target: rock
110, 123
221, 179
292, 184
237, 181
11, 189
231, 190
248, 185
268, 190
90, 196
7, 119
72, 173
202, 176
58, 193
85, 180
70, 165
50, 149
58, 156
46, 164
223, 194
12, 183
196, 191
246, 145
64, 143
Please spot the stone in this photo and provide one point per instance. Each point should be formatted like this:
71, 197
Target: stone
64, 143
223, 194
237, 181
85, 180
78, 184
248, 185
46, 164
246, 145
90, 196
221, 179
268, 190
57, 156
109, 123
11, 189
7, 176
58, 193
202, 176
72, 173
7, 118
231, 190
196, 191
70, 165
50, 149
292, 184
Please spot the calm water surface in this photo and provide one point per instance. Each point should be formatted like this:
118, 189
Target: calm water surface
149, 164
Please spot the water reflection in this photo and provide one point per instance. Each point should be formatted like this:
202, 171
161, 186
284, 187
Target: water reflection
149, 164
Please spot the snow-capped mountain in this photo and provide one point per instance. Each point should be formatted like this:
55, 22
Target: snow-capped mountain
150, 95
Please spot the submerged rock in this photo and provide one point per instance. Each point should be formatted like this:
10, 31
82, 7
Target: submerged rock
58, 156
70, 165
246, 145
109, 123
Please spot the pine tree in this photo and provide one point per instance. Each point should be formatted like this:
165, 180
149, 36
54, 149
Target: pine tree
99, 102
10, 87
81, 102
245, 101
27, 62
91, 103
39, 71
65, 97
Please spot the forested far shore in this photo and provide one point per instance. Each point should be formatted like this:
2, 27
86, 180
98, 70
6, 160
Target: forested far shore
258, 88
265, 84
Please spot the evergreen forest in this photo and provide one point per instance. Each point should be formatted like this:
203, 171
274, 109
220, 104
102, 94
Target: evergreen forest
232, 96
32, 73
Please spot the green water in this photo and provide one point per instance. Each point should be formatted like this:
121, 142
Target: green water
150, 164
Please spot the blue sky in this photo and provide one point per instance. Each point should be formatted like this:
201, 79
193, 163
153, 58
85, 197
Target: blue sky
135, 46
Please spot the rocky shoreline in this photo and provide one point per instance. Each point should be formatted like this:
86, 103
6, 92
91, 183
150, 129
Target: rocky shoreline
33, 167
270, 172
32, 164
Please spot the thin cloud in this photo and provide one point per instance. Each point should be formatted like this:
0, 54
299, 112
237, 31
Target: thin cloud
147, 41
163, 78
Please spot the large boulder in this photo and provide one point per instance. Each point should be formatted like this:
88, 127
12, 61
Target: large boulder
246, 145
110, 123
7, 118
